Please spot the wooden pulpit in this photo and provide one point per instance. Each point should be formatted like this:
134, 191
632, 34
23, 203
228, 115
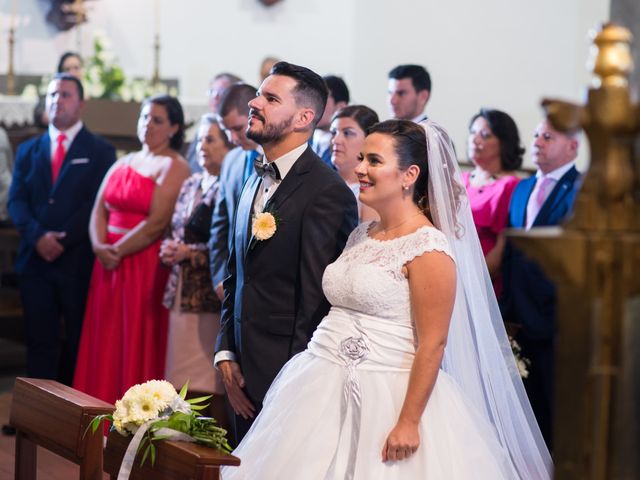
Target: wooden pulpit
56, 417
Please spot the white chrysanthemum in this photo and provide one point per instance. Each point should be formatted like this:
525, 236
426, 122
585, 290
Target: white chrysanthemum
143, 403
264, 226
162, 392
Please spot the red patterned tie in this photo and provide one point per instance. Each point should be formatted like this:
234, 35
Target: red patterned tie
58, 158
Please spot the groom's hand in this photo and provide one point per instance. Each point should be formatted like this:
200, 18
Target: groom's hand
234, 383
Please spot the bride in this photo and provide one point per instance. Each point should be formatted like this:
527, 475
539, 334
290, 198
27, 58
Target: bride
410, 375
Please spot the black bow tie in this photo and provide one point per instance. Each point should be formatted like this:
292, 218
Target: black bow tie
262, 169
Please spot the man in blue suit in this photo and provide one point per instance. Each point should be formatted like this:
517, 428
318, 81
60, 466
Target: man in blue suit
55, 181
529, 297
236, 168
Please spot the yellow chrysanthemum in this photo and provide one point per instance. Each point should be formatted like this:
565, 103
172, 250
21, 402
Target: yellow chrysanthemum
264, 226
142, 403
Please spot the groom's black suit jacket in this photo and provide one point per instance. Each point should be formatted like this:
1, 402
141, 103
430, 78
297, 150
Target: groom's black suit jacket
273, 294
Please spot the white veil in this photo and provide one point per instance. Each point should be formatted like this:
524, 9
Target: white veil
478, 354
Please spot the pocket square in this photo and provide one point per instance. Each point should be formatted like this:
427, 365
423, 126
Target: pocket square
78, 161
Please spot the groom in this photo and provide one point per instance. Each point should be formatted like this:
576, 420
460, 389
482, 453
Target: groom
273, 294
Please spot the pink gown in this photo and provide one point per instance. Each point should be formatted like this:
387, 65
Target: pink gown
490, 208
124, 335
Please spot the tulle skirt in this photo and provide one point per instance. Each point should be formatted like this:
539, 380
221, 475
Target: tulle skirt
311, 428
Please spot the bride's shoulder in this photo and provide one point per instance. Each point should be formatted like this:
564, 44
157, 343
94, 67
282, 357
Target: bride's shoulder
425, 239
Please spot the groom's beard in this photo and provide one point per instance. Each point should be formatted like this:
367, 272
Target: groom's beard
269, 133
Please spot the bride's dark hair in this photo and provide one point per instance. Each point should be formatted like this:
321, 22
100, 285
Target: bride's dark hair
410, 145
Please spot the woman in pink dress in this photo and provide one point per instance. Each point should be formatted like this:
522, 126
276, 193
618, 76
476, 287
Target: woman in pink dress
494, 149
124, 335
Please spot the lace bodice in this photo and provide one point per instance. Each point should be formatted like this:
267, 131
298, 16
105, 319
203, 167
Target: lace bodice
368, 276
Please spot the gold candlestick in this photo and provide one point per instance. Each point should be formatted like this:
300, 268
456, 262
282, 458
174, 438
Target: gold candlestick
11, 80
79, 8
156, 61
156, 45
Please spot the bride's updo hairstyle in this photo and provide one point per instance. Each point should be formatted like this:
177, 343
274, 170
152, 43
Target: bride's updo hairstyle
410, 145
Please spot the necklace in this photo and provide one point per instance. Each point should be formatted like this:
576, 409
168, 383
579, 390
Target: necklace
384, 231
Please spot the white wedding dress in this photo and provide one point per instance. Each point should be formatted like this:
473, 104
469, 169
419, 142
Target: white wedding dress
329, 411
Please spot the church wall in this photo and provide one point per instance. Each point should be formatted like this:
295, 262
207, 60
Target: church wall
506, 54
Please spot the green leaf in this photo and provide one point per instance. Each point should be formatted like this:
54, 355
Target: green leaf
155, 426
198, 408
180, 421
96, 422
146, 454
192, 401
183, 390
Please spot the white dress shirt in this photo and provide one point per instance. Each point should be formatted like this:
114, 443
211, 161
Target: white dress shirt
71, 134
269, 185
266, 190
420, 118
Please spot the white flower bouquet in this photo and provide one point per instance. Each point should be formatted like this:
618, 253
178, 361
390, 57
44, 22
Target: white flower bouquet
154, 411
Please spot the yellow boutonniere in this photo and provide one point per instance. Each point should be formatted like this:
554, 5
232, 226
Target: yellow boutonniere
264, 226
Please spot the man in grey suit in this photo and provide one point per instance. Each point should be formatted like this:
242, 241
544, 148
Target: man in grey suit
233, 115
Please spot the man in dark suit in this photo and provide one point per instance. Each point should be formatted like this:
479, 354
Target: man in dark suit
236, 169
273, 294
529, 297
55, 181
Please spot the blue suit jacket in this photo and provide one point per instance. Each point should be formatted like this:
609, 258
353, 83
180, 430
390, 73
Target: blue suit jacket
529, 297
36, 206
231, 183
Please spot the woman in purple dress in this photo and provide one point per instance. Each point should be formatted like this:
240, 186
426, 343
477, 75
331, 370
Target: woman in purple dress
194, 318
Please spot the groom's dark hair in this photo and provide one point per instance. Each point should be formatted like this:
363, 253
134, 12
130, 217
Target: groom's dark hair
311, 90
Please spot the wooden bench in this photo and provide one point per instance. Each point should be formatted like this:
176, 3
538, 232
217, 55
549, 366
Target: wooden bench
174, 460
55, 417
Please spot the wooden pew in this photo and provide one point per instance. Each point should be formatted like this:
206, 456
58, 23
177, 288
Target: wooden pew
174, 460
51, 415
55, 417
